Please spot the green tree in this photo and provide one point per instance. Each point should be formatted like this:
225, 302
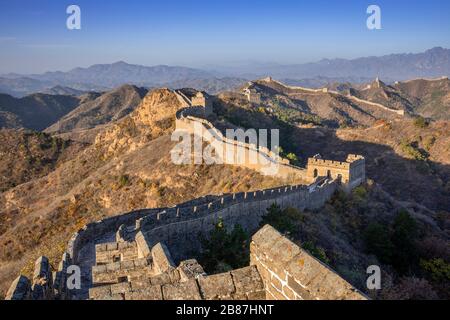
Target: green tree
224, 251
292, 157
285, 221
404, 239
378, 242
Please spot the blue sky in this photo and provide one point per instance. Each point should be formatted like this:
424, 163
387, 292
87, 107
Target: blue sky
34, 37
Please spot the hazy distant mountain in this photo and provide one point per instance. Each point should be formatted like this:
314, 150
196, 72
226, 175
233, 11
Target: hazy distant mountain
431, 63
21, 86
119, 73
102, 77
66, 91
210, 85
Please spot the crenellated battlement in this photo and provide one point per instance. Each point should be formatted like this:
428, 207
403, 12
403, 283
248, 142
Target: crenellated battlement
328, 163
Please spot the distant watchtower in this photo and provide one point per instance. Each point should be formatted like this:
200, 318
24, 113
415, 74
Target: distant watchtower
350, 173
252, 95
202, 99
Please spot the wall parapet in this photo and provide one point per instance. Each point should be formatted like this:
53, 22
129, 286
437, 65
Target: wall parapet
290, 273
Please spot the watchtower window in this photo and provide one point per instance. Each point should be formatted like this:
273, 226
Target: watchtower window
328, 173
116, 258
122, 279
316, 173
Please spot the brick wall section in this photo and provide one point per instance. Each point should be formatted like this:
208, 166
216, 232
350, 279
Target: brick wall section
241, 284
290, 273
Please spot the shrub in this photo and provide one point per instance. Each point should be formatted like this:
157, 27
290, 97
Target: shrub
124, 180
421, 122
428, 142
411, 150
437, 269
411, 288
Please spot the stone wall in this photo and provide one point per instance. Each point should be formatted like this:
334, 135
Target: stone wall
45, 284
234, 152
181, 228
326, 90
290, 273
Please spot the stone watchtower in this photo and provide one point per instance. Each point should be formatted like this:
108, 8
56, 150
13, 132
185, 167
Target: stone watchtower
252, 95
351, 173
202, 99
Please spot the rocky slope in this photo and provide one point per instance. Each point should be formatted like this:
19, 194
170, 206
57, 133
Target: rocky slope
28, 155
36, 111
105, 108
427, 98
328, 108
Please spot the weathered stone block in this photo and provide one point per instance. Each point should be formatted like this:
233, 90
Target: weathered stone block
247, 280
299, 290
174, 276
109, 277
111, 246
100, 293
276, 283
218, 286
190, 269
275, 294
182, 291
115, 266
289, 293
100, 247
149, 293
161, 279
138, 284
99, 269
161, 258
125, 265
120, 288
257, 295
142, 262
143, 247
19, 289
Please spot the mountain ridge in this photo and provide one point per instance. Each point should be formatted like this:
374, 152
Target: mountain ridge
432, 63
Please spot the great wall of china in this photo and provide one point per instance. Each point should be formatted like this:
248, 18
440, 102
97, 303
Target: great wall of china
326, 90
145, 254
